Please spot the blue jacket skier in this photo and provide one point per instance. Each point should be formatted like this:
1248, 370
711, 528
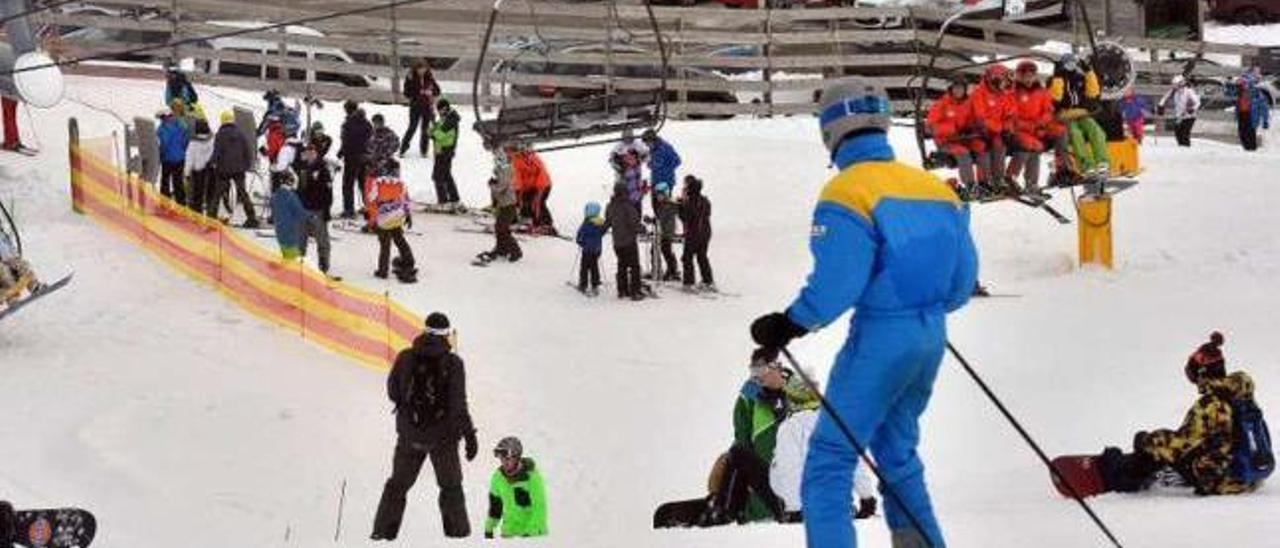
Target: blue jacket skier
892, 242
663, 159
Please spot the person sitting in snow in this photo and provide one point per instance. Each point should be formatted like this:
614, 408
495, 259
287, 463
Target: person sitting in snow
15, 274
517, 495
591, 244
1216, 450
744, 493
787, 468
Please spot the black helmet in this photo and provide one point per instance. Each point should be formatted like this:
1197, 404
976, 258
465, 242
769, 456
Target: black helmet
509, 448
649, 136
350, 106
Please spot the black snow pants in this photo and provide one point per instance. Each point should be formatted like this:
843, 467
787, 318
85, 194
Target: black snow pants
405, 467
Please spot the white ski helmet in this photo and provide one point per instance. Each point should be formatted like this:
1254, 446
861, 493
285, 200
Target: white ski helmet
851, 104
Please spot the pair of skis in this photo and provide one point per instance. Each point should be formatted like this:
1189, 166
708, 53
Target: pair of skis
35, 295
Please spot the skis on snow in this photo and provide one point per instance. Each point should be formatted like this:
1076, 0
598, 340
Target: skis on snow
35, 294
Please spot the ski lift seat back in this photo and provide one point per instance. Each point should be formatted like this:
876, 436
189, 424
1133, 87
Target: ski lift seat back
611, 112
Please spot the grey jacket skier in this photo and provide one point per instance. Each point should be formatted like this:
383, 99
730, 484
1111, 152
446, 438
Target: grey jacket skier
623, 219
503, 194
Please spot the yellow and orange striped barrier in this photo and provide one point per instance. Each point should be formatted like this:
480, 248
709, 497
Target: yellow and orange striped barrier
364, 326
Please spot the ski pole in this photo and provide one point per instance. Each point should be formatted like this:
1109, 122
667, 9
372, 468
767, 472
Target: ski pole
862, 453
1034, 446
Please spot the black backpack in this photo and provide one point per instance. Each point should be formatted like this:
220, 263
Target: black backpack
424, 396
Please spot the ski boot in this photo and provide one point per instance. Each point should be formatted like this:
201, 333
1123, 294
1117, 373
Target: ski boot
407, 276
484, 258
708, 287
380, 274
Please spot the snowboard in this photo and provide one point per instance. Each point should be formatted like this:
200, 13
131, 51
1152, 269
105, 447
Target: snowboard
680, 513
53, 528
45, 290
1081, 472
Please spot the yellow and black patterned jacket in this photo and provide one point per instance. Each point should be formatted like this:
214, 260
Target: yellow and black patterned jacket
1200, 449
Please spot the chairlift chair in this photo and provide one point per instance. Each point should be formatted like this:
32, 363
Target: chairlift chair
562, 120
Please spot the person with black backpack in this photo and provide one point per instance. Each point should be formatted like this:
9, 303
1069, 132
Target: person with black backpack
427, 384
1222, 447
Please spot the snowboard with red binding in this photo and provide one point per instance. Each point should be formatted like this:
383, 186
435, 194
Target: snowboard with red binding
1081, 472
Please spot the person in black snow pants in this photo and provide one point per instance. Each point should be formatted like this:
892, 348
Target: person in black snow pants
428, 386
356, 132
421, 90
622, 217
695, 215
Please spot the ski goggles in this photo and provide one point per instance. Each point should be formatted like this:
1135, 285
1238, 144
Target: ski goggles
867, 104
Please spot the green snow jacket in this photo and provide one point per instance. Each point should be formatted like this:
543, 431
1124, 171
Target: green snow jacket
519, 503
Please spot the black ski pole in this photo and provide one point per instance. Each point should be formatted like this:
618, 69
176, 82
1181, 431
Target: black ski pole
1034, 446
862, 453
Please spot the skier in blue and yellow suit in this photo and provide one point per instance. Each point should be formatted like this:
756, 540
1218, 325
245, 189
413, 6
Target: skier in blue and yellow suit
891, 241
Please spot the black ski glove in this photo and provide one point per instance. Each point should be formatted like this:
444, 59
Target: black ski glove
488, 534
775, 330
473, 446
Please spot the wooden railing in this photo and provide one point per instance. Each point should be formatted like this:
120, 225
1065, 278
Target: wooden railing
791, 50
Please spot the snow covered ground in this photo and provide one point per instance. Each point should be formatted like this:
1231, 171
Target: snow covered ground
183, 421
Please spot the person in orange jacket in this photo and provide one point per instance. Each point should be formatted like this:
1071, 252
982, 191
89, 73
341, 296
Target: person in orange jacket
950, 120
1035, 129
993, 111
533, 187
387, 211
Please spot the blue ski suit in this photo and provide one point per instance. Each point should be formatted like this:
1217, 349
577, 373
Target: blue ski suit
891, 241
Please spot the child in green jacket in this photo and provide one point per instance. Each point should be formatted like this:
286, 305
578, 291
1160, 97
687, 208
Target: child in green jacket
517, 497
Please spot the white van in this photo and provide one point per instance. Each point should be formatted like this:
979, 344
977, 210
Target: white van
271, 49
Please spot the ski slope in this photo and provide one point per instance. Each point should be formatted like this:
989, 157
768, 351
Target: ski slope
181, 420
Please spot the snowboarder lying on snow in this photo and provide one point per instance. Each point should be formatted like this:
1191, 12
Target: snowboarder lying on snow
15, 274
1221, 447
517, 497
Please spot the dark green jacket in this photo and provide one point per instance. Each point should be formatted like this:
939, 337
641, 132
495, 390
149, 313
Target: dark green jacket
519, 503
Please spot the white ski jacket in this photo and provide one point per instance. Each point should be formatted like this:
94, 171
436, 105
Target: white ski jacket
1183, 101
787, 468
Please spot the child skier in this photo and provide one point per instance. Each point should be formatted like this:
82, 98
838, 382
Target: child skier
388, 213
590, 242
517, 496
1134, 109
667, 211
505, 209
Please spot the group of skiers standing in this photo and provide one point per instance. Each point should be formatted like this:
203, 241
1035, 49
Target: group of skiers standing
427, 384
624, 217
1016, 115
